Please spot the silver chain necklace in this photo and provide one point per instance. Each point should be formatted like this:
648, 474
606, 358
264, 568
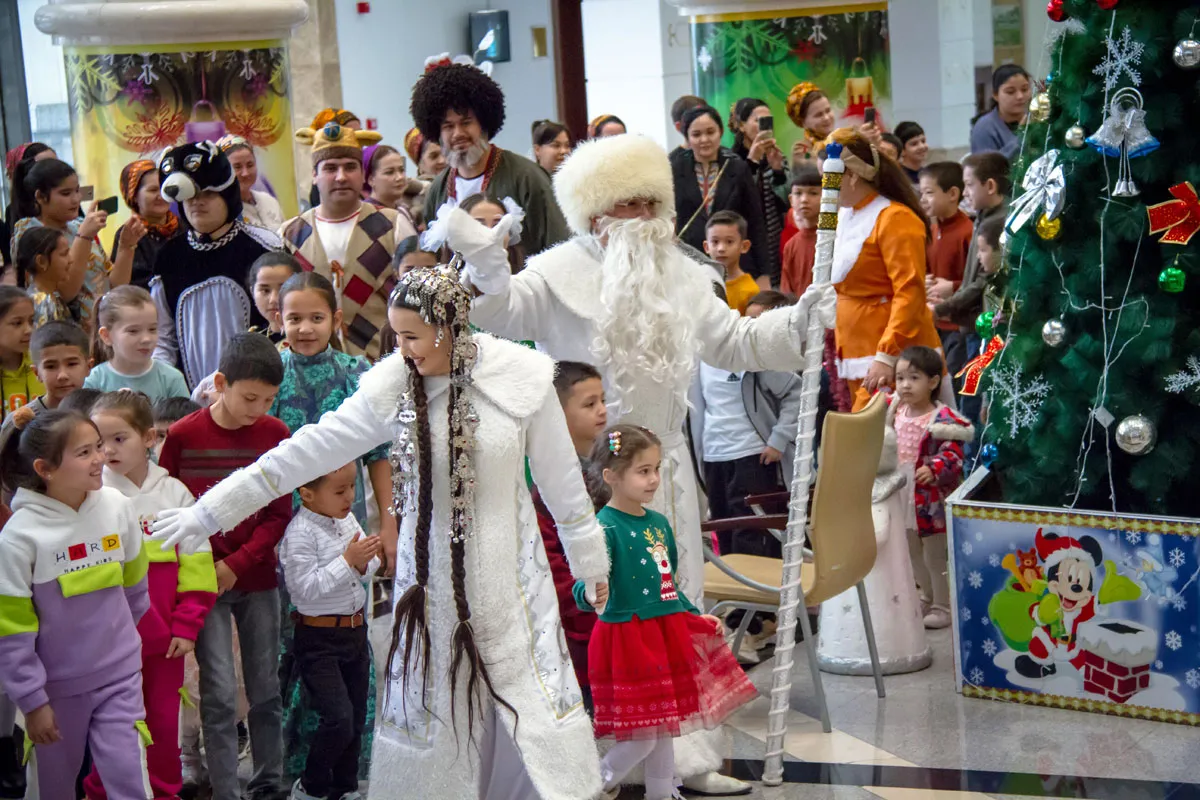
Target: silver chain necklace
194, 238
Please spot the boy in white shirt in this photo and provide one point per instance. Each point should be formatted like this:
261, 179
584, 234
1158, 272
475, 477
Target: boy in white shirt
326, 559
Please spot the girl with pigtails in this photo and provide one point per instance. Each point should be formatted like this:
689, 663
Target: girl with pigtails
481, 699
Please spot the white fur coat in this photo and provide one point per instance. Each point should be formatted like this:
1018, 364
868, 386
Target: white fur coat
509, 587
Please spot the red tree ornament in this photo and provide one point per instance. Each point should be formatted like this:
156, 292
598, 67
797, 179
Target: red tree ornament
1107, 5
1055, 10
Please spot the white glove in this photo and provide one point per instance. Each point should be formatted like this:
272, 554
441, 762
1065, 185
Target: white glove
822, 300
184, 528
484, 249
205, 392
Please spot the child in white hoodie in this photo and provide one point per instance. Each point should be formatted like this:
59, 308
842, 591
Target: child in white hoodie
72, 588
183, 588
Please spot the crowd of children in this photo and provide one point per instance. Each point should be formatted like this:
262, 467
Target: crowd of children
96, 425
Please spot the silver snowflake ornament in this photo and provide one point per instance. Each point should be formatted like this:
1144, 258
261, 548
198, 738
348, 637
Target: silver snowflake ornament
1186, 378
704, 59
1022, 400
1123, 58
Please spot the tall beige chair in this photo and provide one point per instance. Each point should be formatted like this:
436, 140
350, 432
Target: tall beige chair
841, 535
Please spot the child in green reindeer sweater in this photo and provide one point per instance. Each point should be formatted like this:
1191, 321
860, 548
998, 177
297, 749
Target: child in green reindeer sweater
658, 667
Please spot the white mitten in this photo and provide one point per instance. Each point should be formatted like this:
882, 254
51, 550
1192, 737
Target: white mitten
483, 248
185, 528
820, 299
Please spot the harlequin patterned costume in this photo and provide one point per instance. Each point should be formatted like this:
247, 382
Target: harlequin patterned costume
657, 668
363, 279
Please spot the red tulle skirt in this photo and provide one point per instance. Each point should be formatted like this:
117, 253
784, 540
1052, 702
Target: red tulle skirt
667, 676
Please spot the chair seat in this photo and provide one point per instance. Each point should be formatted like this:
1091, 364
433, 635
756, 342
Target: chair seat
720, 587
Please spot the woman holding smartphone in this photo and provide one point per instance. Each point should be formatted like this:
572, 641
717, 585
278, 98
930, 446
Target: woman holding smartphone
751, 122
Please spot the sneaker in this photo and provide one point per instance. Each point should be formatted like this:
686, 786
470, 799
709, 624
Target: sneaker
609, 794
937, 618
355, 795
243, 741
714, 784
298, 793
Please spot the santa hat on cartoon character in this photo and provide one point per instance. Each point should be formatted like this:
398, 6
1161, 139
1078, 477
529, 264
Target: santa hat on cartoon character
1052, 549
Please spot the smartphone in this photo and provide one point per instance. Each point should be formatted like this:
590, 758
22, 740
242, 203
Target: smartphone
87, 194
108, 204
869, 115
766, 123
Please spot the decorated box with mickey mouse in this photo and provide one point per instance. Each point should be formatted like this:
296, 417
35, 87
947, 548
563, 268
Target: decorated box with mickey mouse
1078, 610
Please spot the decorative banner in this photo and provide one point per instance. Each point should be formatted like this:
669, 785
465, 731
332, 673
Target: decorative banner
1180, 218
130, 105
844, 50
1085, 611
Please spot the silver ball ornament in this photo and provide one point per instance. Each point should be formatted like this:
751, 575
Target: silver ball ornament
1136, 435
1076, 137
1187, 54
1054, 332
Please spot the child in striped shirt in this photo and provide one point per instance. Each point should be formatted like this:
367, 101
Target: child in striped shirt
326, 559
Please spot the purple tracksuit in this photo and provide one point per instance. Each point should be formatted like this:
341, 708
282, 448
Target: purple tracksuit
72, 587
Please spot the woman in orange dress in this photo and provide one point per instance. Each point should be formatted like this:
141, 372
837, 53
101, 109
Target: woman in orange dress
878, 269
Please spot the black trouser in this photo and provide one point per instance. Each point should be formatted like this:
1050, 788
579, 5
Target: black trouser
335, 666
728, 483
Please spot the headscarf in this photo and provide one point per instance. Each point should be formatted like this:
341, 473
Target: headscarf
13, 157
339, 115
414, 144
795, 106
599, 122
131, 179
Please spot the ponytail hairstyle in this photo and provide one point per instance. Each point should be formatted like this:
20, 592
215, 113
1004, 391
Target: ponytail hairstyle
890, 180
45, 437
740, 111
439, 297
35, 242
615, 449
32, 178
108, 314
130, 405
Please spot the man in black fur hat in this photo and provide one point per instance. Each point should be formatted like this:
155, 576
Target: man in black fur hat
463, 108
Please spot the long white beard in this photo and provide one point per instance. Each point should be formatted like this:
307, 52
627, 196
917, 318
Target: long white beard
467, 158
646, 329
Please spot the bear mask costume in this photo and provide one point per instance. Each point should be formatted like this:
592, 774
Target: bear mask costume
199, 281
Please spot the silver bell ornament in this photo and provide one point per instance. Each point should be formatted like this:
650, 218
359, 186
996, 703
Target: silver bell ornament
1075, 137
1136, 435
1054, 332
1124, 135
1187, 53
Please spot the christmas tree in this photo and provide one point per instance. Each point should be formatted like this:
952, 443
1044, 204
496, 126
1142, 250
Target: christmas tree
1093, 398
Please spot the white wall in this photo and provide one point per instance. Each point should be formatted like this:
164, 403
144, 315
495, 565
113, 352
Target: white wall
383, 53
637, 59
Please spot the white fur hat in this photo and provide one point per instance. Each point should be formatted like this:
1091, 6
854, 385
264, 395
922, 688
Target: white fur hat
603, 172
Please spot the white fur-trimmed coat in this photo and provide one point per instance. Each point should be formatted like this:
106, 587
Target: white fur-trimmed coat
509, 587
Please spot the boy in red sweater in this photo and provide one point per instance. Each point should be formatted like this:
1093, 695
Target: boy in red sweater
941, 193
801, 249
200, 450
581, 393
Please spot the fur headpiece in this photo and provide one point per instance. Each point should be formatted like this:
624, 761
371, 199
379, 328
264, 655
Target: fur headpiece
456, 87
603, 172
190, 169
335, 140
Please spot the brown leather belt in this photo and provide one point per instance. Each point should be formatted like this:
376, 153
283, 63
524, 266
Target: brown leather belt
332, 620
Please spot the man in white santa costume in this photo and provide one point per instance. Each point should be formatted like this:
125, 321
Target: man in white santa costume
622, 296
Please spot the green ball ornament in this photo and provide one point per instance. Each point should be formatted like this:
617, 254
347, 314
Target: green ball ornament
984, 324
1172, 280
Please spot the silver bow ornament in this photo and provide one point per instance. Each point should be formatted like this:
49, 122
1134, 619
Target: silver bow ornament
1045, 190
1124, 135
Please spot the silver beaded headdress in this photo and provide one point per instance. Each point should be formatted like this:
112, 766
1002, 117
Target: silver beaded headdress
437, 294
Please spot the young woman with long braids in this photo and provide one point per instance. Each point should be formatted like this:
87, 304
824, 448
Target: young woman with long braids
878, 270
481, 700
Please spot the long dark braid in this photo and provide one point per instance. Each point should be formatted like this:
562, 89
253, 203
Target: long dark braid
438, 296
462, 641
410, 611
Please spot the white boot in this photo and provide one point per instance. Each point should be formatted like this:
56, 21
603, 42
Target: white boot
714, 784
